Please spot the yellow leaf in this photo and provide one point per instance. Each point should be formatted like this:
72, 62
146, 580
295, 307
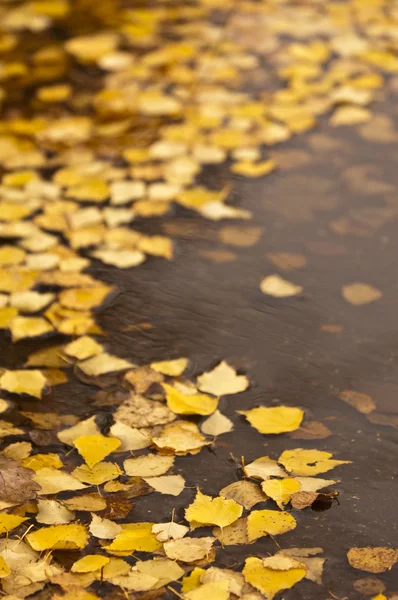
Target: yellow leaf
281, 490
24, 382
5, 570
156, 245
217, 590
41, 461
372, 559
87, 502
60, 537
7, 316
93, 448
171, 368
188, 549
350, 115
30, 302
269, 522
270, 581
53, 481
192, 580
308, 462
90, 563
100, 473
276, 286
195, 404
83, 428
9, 522
120, 258
213, 511
26, 327
130, 438
251, 169
85, 298
274, 419
83, 348
222, 380
10, 255
135, 537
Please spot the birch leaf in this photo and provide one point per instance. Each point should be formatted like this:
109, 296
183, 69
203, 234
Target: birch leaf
222, 380
274, 419
213, 511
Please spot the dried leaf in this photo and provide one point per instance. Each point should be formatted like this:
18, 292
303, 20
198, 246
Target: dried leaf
372, 559
169, 531
188, 549
269, 522
358, 294
16, 483
246, 493
362, 402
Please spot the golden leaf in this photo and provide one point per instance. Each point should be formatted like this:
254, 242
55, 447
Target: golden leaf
5, 570
308, 462
218, 590
61, 537
9, 522
89, 563
83, 348
100, 473
269, 522
195, 404
252, 169
27, 327
84, 298
32, 383
93, 448
171, 368
281, 490
212, 511
134, 537
274, 419
270, 580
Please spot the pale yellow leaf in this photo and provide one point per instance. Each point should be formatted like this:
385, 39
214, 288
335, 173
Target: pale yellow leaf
222, 380
32, 383
83, 348
53, 481
129, 437
358, 294
218, 590
52, 512
171, 368
104, 528
100, 473
169, 531
104, 363
264, 468
151, 465
167, 484
188, 549
274, 285
246, 493
86, 427
217, 424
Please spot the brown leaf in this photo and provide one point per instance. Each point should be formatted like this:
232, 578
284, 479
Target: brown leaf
16, 483
302, 500
372, 560
362, 402
286, 260
312, 430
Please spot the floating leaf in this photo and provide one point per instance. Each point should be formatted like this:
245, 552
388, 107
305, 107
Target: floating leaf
272, 577
90, 563
195, 404
32, 383
274, 419
188, 549
171, 368
93, 448
264, 468
217, 424
274, 285
308, 462
359, 294
62, 537
169, 531
167, 484
245, 493
222, 380
372, 559
213, 511
269, 522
